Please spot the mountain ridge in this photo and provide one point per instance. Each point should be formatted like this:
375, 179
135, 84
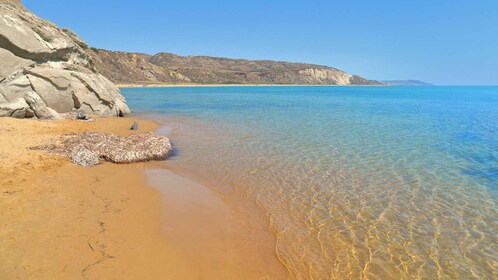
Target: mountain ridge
139, 68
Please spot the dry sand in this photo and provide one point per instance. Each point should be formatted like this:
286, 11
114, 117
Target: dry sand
62, 221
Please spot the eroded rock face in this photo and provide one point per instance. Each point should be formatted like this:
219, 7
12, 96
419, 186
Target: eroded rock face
48, 68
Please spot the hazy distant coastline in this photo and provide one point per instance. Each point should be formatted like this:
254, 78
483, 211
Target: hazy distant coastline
406, 83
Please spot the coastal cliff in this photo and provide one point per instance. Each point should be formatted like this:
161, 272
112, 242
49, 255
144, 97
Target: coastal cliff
139, 68
45, 70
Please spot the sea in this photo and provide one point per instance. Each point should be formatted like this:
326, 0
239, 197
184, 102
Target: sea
355, 182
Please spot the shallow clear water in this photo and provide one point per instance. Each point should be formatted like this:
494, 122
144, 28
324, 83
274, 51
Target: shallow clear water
358, 182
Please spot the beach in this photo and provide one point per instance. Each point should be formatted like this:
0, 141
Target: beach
199, 140
167, 85
240, 198
63, 221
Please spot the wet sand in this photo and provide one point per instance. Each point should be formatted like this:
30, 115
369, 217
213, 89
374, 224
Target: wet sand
62, 221
220, 241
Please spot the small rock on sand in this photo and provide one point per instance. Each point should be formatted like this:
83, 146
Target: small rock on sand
134, 126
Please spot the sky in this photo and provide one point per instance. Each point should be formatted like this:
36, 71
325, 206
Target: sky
445, 42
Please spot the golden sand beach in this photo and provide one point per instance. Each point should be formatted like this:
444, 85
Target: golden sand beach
63, 221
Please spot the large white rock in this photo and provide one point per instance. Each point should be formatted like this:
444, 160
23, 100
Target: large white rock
15, 88
58, 98
48, 66
11, 63
17, 108
39, 107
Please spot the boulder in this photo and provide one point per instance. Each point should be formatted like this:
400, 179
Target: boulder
16, 88
58, 98
39, 107
17, 109
49, 66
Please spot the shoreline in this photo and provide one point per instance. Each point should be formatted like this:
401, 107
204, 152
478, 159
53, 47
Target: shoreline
209, 230
115, 220
161, 85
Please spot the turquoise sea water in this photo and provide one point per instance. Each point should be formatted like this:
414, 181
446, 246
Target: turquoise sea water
357, 182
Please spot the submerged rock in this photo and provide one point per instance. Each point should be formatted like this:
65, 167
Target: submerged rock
49, 68
89, 148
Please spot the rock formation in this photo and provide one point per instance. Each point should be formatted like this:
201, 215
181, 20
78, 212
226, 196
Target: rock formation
45, 71
138, 68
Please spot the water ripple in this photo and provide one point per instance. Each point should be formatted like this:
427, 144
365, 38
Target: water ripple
357, 183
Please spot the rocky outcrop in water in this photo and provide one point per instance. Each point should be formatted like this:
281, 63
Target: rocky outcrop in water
45, 71
139, 68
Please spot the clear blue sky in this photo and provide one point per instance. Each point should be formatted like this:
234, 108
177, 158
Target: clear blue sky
440, 41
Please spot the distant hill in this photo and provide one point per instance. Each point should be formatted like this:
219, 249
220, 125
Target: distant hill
406, 83
139, 68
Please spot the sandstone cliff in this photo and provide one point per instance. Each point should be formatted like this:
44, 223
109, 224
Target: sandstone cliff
44, 70
123, 67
